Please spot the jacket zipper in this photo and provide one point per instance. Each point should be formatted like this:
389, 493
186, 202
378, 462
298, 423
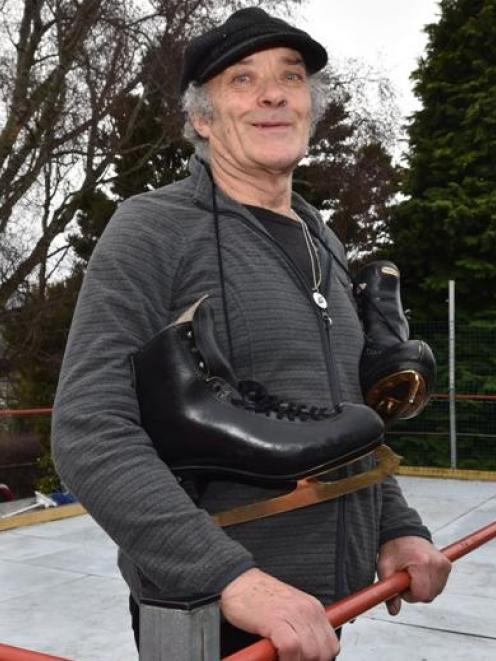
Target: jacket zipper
340, 566
325, 323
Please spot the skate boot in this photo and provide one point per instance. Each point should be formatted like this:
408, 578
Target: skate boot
201, 418
397, 375
204, 422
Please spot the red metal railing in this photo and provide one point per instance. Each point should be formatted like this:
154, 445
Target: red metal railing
350, 607
8, 653
20, 412
440, 395
468, 396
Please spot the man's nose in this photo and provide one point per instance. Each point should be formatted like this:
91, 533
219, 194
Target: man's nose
272, 93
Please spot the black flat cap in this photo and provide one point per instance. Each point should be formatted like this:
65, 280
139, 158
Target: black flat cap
244, 32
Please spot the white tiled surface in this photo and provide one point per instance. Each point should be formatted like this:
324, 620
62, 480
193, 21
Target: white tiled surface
60, 591
368, 640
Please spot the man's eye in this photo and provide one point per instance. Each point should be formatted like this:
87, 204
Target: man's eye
241, 78
294, 76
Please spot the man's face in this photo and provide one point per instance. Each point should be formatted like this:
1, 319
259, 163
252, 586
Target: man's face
262, 112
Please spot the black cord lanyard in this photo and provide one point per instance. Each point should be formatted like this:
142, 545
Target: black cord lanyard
221, 267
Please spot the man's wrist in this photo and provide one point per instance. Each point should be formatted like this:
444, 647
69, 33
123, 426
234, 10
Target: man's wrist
234, 573
405, 531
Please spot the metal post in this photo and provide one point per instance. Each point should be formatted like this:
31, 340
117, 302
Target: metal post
452, 391
180, 630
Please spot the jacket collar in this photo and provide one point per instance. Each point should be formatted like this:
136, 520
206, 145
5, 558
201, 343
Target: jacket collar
202, 184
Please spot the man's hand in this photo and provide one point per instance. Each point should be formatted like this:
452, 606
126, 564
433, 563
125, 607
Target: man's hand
294, 621
428, 568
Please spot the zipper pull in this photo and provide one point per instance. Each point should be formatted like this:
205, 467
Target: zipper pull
327, 319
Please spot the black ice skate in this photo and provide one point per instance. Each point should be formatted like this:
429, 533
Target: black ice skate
397, 374
203, 421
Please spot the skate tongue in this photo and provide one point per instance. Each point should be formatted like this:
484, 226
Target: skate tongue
204, 332
255, 396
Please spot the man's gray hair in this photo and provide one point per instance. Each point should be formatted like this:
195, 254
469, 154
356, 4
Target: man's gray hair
196, 101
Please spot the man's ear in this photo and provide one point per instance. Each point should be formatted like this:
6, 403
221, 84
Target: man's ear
201, 125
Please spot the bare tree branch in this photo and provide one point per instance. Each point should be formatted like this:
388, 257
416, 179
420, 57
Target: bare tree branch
75, 84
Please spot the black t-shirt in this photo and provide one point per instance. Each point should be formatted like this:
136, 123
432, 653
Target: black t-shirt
289, 234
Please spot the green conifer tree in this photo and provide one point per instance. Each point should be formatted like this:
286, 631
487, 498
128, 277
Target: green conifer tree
446, 228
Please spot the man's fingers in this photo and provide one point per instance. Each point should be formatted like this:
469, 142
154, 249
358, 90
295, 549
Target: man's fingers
287, 643
315, 639
421, 585
394, 605
311, 643
328, 641
427, 582
428, 568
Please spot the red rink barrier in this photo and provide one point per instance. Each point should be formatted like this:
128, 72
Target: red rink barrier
439, 395
12, 413
8, 653
350, 607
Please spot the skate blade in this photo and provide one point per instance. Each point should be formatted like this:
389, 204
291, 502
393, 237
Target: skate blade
398, 396
311, 491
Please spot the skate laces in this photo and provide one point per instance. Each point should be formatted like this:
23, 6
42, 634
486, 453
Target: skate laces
254, 397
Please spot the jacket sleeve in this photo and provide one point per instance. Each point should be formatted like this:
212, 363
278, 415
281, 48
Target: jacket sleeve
397, 518
100, 450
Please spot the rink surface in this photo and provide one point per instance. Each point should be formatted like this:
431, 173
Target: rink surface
61, 593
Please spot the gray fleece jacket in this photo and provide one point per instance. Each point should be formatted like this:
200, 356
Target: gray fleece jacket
157, 256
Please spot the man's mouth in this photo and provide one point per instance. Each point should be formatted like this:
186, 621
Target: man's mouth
271, 125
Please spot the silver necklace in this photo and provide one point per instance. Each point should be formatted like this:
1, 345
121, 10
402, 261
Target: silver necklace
313, 253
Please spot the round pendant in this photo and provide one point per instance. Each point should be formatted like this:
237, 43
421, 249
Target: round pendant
319, 300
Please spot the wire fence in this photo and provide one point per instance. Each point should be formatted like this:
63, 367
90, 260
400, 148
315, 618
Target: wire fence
425, 440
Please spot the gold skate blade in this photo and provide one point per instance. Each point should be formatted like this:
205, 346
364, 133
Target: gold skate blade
399, 396
311, 491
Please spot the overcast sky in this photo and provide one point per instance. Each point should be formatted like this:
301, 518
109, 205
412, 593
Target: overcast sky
384, 33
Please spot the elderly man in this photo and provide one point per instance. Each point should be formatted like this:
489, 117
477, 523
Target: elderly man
235, 231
